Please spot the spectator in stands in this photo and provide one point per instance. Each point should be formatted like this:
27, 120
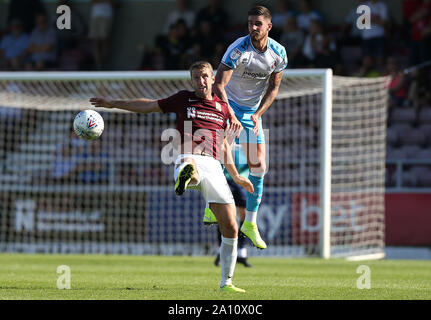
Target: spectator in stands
419, 87
25, 11
206, 38
368, 69
12, 122
414, 97
408, 8
79, 162
374, 39
182, 12
192, 48
280, 19
68, 39
102, 15
172, 48
327, 56
66, 159
420, 25
153, 59
214, 14
184, 34
42, 45
398, 83
312, 43
94, 166
293, 39
220, 49
306, 15
191, 55
13, 47
351, 34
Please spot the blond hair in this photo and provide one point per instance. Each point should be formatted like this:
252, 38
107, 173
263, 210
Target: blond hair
201, 65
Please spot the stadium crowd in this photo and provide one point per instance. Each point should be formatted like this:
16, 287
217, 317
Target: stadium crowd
32, 41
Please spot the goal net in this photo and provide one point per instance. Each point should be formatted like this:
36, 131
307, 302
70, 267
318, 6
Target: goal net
58, 194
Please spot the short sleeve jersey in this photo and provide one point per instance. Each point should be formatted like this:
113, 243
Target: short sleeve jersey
252, 70
200, 122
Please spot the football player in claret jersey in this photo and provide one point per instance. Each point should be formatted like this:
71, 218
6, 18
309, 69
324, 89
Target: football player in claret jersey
248, 78
198, 166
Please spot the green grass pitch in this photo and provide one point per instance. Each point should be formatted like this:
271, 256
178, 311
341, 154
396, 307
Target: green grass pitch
28, 276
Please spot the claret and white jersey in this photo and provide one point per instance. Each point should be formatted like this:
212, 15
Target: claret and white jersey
252, 70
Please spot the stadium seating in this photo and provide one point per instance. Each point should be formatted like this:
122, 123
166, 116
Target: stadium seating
414, 136
425, 115
403, 115
392, 137
424, 179
409, 145
424, 154
410, 178
404, 152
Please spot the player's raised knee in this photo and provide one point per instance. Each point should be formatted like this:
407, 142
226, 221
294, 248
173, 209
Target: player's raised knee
229, 229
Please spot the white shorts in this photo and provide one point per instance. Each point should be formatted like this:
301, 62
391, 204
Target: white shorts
212, 181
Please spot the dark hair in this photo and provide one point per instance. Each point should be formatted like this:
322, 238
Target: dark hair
201, 65
260, 11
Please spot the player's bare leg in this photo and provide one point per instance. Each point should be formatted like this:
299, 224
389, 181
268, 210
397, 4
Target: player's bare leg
188, 175
256, 156
242, 249
226, 216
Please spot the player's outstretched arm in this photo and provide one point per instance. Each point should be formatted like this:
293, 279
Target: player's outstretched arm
142, 105
231, 168
222, 78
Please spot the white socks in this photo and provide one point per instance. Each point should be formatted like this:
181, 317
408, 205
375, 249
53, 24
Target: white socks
228, 255
251, 216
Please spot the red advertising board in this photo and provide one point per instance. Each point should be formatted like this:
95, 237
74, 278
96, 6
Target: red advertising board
355, 217
408, 219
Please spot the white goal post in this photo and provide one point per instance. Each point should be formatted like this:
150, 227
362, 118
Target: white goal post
323, 194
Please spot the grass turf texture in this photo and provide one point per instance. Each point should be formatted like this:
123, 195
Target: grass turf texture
196, 278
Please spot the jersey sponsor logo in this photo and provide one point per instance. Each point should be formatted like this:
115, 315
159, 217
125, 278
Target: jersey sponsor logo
209, 116
193, 100
191, 112
235, 54
254, 75
244, 61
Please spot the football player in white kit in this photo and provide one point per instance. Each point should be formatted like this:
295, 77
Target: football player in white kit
248, 78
